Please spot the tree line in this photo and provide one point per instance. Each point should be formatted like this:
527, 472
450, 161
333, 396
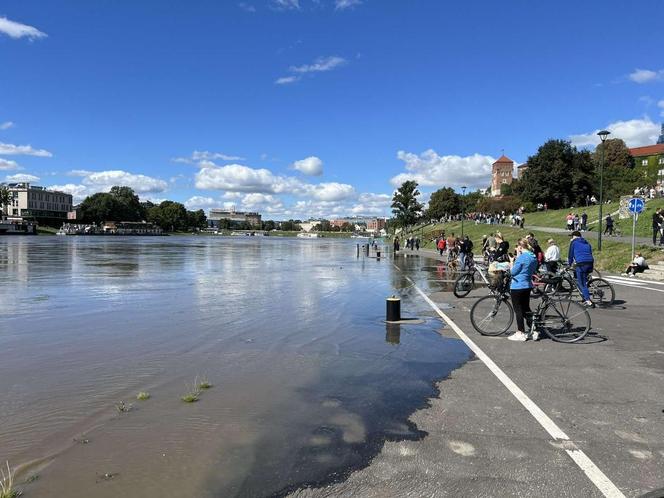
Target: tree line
122, 204
559, 175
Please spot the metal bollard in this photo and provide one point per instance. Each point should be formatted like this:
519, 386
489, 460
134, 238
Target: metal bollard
358, 250
393, 309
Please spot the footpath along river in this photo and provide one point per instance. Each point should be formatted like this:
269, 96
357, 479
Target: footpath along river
308, 381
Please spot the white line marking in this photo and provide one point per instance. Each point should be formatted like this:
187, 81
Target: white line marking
633, 285
596, 476
635, 280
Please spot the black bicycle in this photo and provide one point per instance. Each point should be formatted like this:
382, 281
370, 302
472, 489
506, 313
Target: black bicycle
563, 320
601, 291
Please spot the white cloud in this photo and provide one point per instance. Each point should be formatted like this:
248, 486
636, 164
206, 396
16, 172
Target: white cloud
346, 4
6, 164
286, 4
646, 75
21, 177
635, 133
204, 157
321, 64
78, 191
247, 7
200, 202
17, 30
102, 181
311, 165
330, 192
25, 150
429, 169
238, 178
286, 80
6, 125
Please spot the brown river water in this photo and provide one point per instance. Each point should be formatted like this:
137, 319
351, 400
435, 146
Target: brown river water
308, 381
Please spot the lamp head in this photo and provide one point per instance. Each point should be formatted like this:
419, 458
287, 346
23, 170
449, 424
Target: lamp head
603, 134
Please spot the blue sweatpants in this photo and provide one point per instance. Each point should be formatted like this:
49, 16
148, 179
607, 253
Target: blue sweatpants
582, 272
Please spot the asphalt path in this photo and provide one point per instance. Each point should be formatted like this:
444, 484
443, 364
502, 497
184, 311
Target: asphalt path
535, 418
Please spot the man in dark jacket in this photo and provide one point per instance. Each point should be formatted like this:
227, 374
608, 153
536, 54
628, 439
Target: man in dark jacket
656, 226
581, 254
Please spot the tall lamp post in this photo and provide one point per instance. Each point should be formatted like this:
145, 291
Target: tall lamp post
463, 207
602, 136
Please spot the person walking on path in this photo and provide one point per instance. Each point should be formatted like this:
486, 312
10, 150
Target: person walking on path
657, 221
584, 221
581, 254
522, 269
609, 225
396, 244
441, 245
417, 243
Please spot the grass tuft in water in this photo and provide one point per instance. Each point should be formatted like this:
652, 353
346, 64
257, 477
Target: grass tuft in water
7, 489
193, 393
142, 396
204, 383
123, 407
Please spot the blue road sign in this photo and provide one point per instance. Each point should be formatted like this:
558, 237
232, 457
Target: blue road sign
636, 205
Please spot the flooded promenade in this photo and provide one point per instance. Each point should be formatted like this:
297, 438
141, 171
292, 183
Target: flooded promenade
307, 380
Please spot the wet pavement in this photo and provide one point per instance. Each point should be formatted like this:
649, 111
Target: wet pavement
606, 394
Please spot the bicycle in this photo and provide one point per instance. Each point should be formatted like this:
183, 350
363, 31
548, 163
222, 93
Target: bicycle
563, 320
466, 281
601, 291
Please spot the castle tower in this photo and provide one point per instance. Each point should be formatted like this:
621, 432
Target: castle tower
501, 172
660, 140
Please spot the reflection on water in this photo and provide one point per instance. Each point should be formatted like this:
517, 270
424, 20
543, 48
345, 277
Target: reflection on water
308, 379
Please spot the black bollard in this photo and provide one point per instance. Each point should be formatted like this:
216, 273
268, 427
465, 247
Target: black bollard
358, 250
367, 249
378, 254
393, 312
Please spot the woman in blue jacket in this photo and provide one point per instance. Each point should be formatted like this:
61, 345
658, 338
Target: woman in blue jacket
523, 268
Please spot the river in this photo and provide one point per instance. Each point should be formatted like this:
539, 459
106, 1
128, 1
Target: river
307, 379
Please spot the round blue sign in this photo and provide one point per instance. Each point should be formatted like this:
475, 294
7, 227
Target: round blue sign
636, 205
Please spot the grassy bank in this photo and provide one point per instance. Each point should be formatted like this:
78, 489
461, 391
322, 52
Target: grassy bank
614, 256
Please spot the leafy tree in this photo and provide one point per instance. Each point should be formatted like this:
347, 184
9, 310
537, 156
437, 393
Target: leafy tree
196, 219
506, 203
347, 227
620, 177
169, 215
405, 206
444, 201
129, 205
506, 189
100, 207
5, 199
269, 225
290, 226
558, 174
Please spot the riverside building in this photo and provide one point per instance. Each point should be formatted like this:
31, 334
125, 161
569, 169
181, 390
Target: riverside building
31, 201
216, 215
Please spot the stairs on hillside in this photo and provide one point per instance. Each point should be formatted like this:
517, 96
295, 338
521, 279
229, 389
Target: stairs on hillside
655, 272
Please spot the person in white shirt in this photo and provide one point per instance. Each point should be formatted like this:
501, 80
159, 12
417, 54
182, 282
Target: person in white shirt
637, 266
552, 256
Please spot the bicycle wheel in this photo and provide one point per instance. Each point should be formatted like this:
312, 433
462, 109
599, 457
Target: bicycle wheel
601, 291
565, 320
565, 288
595, 273
464, 284
492, 315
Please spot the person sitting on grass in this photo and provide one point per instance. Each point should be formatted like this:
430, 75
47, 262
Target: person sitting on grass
639, 265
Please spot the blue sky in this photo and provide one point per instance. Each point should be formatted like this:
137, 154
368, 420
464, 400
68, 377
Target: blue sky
303, 108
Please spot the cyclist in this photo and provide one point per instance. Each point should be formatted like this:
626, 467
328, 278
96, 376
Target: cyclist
465, 249
502, 247
523, 268
581, 253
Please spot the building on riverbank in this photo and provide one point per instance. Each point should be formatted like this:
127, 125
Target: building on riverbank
38, 203
232, 216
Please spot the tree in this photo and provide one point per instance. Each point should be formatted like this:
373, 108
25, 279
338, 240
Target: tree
620, 177
5, 198
129, 205
100, 207
269, 225
444, 201
347, 227
558, 174
196, 219
405, 206
169, 215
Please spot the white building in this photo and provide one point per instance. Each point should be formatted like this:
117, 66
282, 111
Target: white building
36, 202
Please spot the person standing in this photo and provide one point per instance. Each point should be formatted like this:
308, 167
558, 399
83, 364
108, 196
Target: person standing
581, 253
417, 243
502, 247
656, 225
609, 225
441, 245
584, 221
396, 244
552, 256
522, 269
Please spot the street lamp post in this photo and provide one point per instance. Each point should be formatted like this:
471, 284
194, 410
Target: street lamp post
463, 207
602, 136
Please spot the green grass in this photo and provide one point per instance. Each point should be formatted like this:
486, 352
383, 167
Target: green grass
7, 489
192, 396
142, 396
614, 257
204, 384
